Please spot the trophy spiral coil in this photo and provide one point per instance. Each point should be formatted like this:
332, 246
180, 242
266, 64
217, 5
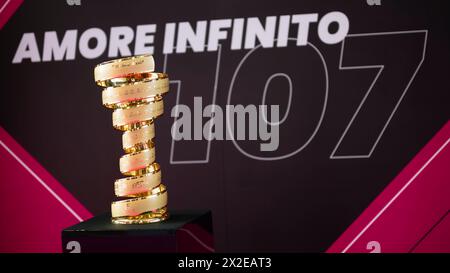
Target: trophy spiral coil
134, 91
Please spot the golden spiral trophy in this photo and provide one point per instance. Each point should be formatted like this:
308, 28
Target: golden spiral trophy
134, 91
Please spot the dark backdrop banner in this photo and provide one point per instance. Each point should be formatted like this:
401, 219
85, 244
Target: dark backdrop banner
361, 87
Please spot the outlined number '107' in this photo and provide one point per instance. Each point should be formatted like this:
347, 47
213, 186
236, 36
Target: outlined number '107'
398, 57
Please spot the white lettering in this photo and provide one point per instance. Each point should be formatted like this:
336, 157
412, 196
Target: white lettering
95, 52
324, 24
27, 49
144, 39
120, 38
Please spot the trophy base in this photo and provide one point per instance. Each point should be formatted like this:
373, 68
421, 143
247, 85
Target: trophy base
183, 231
145, 218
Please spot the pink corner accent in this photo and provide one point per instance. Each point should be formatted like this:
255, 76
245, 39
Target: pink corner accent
408, 215
35, 207
7, 9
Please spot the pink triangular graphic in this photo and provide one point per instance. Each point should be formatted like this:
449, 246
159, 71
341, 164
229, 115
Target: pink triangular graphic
411, 214
7, 9
35, 207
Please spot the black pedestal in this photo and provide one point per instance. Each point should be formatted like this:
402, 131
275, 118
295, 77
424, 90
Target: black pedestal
184, 231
